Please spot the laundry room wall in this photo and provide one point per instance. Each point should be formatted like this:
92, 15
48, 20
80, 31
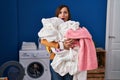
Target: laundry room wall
8, 31
20, 20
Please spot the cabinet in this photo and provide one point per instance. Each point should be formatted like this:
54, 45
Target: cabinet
99, 73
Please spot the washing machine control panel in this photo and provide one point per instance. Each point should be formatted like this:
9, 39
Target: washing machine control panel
34, 54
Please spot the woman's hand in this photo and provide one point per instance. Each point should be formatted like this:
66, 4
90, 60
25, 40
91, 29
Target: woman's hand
68, 43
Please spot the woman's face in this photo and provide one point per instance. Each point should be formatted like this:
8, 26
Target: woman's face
63, 14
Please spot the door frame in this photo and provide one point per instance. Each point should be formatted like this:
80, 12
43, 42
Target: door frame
109, 24
109, 20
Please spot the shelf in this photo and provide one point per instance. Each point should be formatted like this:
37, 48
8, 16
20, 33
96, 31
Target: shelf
99, 73
96, 71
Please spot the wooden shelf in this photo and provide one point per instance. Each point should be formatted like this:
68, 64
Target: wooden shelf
96, 71
95, 79
101, 57
98, 74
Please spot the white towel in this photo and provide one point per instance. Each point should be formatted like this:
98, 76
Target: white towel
54, 28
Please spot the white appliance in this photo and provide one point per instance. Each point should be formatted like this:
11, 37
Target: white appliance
36, 64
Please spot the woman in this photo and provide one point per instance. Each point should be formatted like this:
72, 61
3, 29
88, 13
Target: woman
62, 40
62, 12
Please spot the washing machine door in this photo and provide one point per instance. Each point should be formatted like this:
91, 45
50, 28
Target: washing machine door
35, 70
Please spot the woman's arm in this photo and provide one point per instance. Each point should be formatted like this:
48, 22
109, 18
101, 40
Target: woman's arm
66, 44
50, 44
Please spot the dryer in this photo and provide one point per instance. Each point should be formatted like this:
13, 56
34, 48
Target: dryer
35, 64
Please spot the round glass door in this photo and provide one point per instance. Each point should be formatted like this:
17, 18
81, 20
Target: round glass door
35, 70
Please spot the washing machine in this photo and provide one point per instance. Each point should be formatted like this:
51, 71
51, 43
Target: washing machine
35, 64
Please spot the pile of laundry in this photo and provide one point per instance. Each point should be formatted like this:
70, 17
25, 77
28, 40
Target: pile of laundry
75, 60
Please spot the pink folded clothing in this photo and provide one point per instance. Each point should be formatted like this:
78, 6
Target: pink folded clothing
87, 58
